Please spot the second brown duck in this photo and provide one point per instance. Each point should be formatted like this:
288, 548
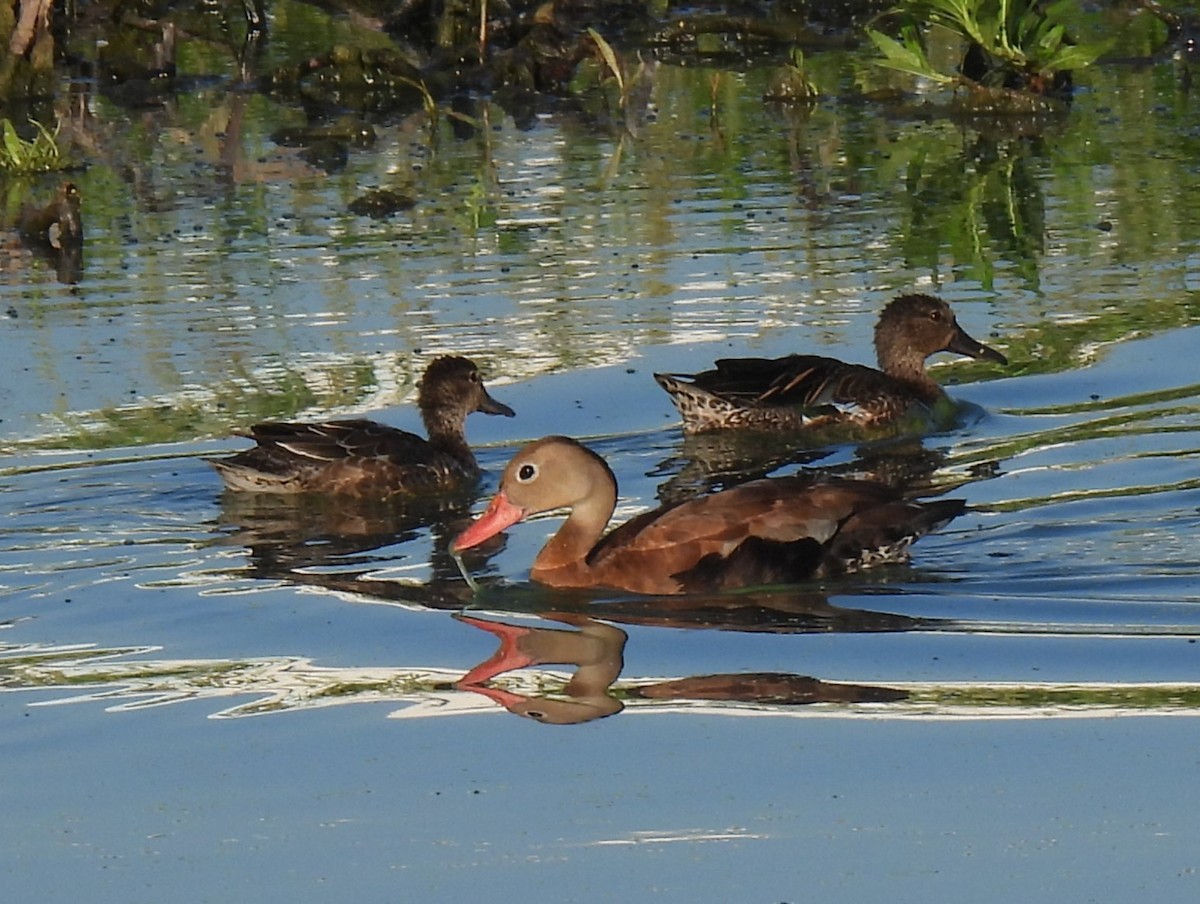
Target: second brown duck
812, 392
362, 458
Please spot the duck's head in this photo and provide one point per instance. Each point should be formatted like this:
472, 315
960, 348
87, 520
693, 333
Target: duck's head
923, 325
452, 386
554, 472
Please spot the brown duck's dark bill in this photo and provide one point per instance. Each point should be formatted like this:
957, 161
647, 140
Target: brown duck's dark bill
491, 406
963, 344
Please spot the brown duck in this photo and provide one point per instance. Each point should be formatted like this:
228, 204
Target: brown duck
366, 459
811, 392
57, 225
769, 531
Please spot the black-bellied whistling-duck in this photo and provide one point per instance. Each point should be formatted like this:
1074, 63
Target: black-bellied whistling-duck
769, 531
810, 392
366, 459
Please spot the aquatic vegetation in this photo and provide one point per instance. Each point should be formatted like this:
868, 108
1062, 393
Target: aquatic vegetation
479, 207
610, 60
40, 154
1013, 48
618, 72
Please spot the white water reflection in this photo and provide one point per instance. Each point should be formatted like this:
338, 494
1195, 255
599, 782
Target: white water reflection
126, 680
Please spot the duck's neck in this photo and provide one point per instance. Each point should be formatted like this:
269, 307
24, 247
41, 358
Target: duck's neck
908, 367
563, 560
446, 435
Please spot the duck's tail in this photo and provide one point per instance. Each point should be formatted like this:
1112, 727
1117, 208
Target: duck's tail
700, 410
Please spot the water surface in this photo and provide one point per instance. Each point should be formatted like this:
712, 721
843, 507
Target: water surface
994, 720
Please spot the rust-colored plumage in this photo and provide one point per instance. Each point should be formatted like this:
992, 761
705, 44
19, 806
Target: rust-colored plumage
810, 392
769, 531
359, 457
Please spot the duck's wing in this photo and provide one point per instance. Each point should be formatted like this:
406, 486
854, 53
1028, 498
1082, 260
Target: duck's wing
341, 440
805, 382
706, 532
779, 508
794, 381
776, 530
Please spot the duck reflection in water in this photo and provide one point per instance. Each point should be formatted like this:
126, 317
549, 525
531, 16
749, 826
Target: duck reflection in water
711, 462
586, 636
596, 650
285, 535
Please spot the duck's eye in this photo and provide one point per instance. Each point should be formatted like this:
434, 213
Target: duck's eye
475, 378
527, 473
